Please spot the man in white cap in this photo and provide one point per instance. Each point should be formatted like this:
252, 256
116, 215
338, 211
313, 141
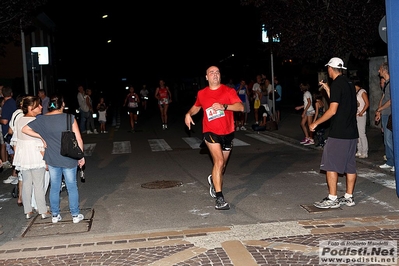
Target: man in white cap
339, 152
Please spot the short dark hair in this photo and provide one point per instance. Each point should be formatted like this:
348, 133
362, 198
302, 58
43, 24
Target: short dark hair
7, 91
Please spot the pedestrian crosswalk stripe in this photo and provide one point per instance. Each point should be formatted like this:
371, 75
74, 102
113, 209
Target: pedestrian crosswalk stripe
193, 142
120, 147
264, 138
272, 140
88, 148
237, 142
159, 145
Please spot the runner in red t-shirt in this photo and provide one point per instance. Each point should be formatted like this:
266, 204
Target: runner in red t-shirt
218, 103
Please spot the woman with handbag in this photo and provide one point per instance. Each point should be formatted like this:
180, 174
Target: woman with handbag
28, 159
49, 128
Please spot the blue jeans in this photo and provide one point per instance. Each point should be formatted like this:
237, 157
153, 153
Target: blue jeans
55, 188
388, 141
83, 120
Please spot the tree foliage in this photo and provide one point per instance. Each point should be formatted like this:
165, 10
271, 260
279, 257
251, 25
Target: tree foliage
314, 30
14, 16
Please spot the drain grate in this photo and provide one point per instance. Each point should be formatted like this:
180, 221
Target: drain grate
39, 227
313, 209
162, 184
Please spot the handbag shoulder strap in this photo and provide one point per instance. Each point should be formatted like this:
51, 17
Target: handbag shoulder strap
69, 122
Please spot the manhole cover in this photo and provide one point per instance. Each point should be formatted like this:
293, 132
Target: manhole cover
162, 184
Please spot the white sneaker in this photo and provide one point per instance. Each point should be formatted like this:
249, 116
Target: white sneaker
392, 169
358, 154
56, 219
76, 219
95, 131
7, 164
89, 132
237, 128
243, 128
385, 166
105, 131
15, 181
11, 180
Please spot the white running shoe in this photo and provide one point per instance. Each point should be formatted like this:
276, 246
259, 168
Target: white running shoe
56, 219
76, 219
11, 180
385, 166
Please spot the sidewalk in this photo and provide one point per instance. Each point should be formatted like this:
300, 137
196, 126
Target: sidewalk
274, 243
290, 130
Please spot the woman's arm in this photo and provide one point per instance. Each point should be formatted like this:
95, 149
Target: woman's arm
366, 103
75, 129
317, 106
29, 131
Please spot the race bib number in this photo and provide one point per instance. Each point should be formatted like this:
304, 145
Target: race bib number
212, 114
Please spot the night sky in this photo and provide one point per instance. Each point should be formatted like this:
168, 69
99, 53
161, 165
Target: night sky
152, 39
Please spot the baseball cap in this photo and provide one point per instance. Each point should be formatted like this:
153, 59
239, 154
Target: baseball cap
336, 62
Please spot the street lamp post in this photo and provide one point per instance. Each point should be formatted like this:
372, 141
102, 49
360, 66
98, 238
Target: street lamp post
269, 38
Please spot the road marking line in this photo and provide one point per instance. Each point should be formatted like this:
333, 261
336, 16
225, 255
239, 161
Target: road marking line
159, 145
89, 148
120, 147
193, 142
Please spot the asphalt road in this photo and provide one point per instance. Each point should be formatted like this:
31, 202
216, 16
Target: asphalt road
268, 179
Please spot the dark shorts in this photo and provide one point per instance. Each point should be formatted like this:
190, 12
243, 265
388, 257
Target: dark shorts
134, 111
339, 156
226, 141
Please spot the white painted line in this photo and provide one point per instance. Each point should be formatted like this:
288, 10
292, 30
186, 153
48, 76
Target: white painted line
89, 148
159, 145
237, 142
193, 142
272, 140
120, 147
377, 177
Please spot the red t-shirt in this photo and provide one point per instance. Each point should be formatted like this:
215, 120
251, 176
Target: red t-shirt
219, 122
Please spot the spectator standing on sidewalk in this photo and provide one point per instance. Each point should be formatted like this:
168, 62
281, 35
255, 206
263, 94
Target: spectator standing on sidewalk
29, 160
319, 111
83, 108
44, 100
13, 142
48, 128
102, 115
218, 103
91, 129
8, 108
340, 149
307, 114
257, 95
361, 117
277, 102
242, 92
383, 111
